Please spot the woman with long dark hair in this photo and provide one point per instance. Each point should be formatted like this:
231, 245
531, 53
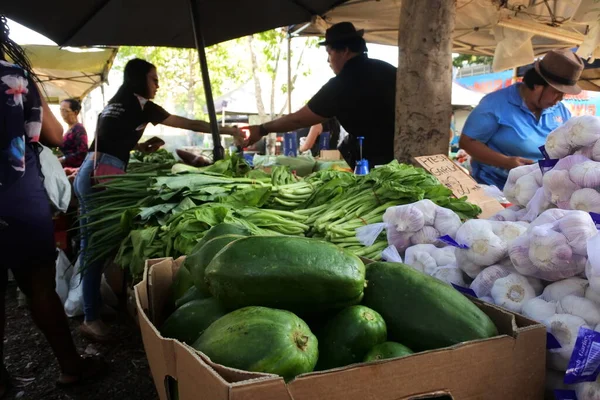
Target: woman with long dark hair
120, 126
26, 229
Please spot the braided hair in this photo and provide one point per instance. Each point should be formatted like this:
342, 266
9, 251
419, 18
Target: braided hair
10, 49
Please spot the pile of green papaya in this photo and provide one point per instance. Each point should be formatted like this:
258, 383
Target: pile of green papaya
291, 305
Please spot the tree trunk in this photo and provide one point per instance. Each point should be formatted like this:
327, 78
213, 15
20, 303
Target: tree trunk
293, 82
260, 106
191, 98
424, 80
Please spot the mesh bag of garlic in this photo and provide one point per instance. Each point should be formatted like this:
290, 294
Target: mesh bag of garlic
579, 135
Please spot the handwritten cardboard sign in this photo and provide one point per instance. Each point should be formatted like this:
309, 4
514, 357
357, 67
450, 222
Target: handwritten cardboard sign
461, 184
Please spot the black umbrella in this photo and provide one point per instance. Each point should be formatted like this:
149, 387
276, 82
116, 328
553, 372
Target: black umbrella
173, 23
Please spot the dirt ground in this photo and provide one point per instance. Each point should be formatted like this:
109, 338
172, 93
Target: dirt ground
34, 370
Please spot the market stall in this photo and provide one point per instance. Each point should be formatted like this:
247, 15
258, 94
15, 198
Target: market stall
70, 73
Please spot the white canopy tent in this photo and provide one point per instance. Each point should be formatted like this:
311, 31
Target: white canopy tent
513, 31
243, 99
67, 73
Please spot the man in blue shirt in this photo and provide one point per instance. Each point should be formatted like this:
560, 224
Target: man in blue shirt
508, 126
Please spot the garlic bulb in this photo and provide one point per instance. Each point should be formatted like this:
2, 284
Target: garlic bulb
581, 307
547, 217
557, 145
584, 131
593, 277
537, 205
444, 255
449, 275
525, 189
428, 208
564, 327
585, 200
420, 260
536, 284
427, 235
587, 152
400, 240
548, 249
587, 390
586, 174
485, 248
518, 251
512, 291
558, 290
508, 214
592, 295
558, 187
538, 309
596, 151
507, 231
446, 221
407, 218
484, 281
578, 227
464, 263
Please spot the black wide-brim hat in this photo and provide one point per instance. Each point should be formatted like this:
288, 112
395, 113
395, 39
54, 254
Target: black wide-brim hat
340, 32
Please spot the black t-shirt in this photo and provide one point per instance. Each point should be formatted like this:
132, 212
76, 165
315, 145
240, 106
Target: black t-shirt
363, 99
122, 123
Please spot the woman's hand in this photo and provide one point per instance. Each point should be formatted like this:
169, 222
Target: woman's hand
514, 162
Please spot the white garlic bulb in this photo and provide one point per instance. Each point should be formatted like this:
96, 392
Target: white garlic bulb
585, 200
427, 235
596, 151
464, 263
444, 255
513, 176
564, 327
484, 281
400, 240
525, 189
446, 222
507, 231
586, 174
558, 187
581, 307
508, 214
518, 252
588, 390
557, 145
539, 309
548, 249
584, 131
407, 218
512, 291
449, 275
577, 227
420, 260
428, 208
558, 290
592, 295
536, 284
547, 217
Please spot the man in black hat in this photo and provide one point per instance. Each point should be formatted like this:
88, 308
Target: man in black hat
361, 96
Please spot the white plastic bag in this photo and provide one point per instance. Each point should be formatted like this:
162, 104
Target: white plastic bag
74, 302
64, 271
56, 182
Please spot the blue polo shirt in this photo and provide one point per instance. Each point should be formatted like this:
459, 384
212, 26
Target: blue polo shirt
503, 122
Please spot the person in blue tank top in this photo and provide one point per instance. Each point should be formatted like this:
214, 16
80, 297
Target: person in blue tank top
508, 126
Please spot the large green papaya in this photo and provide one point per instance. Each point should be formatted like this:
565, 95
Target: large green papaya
191, 319
422, 312
261, 339
292, 273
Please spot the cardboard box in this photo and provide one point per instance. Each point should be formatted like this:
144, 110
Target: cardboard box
507, 367
456, 179
330, 155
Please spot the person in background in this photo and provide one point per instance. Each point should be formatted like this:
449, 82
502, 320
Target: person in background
75, 142
26, 230
362, 96
508, 126
120, 126
312, 142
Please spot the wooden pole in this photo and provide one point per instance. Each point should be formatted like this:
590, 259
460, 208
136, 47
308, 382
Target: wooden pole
424, 80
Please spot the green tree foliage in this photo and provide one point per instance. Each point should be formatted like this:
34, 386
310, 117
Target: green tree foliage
468, 59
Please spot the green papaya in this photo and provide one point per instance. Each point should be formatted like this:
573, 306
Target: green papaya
191, 319
387, 350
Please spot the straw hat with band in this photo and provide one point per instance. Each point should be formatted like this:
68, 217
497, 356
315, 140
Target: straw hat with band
561, 69
340, 32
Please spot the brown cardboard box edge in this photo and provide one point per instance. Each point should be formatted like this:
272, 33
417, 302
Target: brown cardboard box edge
510, 366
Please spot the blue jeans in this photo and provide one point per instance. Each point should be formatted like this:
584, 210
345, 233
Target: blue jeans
92, 274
